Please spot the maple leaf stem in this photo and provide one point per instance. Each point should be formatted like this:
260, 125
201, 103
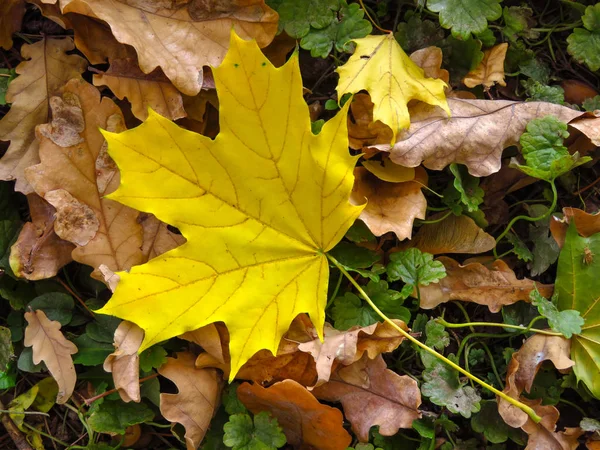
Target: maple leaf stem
528, 218
493, 324
529, 411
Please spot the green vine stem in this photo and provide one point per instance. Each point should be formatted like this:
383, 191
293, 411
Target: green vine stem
492, 324
528, 218
529, 411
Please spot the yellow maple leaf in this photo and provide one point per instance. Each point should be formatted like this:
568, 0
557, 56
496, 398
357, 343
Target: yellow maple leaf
259, 206
380, 66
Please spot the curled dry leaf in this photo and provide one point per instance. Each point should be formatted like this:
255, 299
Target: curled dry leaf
153, 90
181, 39
305, 422
11, 15
46, 70
157, 239
76, 173
371, 395
38, 252
390, 206
362, 130
490, 70
474, 135
95, 40
454, 234
589, 125
49, 345
430, 60
124, 362
494, 286
587, 224
197, 400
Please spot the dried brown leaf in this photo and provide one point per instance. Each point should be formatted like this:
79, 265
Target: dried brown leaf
46, 70
38, 252
474, 135
157, 238
124, 362
494, 286
586, 224
371, 395
197, 400
49, 345
74, 178
95, 40
11, 15
390, 206
454, 234
181, 39
362, 131
430, 60
490, 70
305, 422
153, 90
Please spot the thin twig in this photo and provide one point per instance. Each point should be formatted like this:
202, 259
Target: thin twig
14, 433
89, 401
66, 286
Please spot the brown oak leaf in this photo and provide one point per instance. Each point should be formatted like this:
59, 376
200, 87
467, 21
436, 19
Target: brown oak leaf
430, 60
197, 400
494, 286
371, 395
181, 39
490, 70
362, 131
305, 422
587, 224
157, 238
46, 70
76, 173
11, 15
49, 345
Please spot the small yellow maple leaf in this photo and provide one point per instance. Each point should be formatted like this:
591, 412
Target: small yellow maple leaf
380, 66
259, 206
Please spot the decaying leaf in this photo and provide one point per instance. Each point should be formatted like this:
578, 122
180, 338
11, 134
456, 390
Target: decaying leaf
180, 39
474, 135
245, 202
11, 15
589, 126
157, 238
305, 422
197, 400
490, 70
454, 234
494, 286
586, 224
76, 173
380, 66
153, 90
371, 395
390, 206
124, 362
430, 60
46, 69
49, 345
363, 131
38, 252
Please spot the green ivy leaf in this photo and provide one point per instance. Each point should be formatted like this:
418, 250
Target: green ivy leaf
591, 104
517, 20
476, 356
6, 76
547, 387
152, 358
6, 349
91, 352
487, 37
296, 17
471, 195
545, 249
538, 92
263, 434
566, 322
436, 335
56, 305
519, 247
415, 34
464, 17
584, 43
461, 56
415, 268
350, 25
359, 233
114, 416
495, 430
102, 328
231, 402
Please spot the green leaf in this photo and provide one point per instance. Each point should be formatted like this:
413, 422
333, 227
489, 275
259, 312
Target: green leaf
46, 396
359, 233
6, 76
16, 324
56, 305
18, 293
487, 37
102, 328
476, 356
415, 34
8, 378
539, 92
495, 430
519, 247
152, 358
10, 224
464, 17
436, 335
516, 23
150, 389
296, 17
584, 43
566, 322
353, 256
591, 104
538, 71
91, 352
6, 349
545, 249
471, 195
263, 434
350, 25
25, 362
542, 146
578, 287
415, 268
546, 386
231, 402
114, 416
461, 56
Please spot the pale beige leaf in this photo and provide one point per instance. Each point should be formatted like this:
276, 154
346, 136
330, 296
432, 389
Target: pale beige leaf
213, 338
38, 252
305, 422
390, 206
124, 362
372, 395
475, 135
11, 15
198, 397
75, 179
589, 126
157, 238
46, 70
454, 234
430, 60
49, 345
95, 40
494, 286
153, 90
490, 70
181, 39
362, 131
